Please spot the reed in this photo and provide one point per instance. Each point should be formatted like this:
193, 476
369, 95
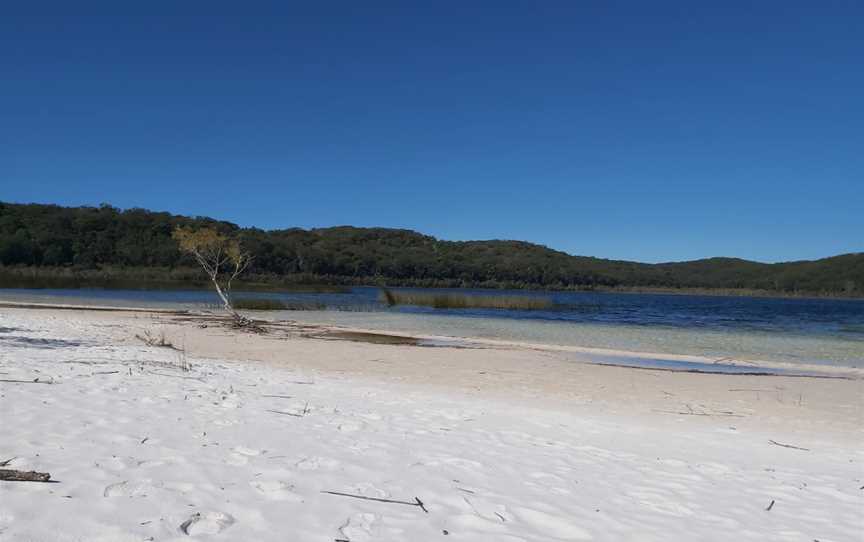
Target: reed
452, 300
267, 304
255, 304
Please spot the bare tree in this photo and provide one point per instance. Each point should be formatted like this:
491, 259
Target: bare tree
222, 258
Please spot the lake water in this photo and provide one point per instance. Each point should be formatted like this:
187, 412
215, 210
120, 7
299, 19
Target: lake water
811, 331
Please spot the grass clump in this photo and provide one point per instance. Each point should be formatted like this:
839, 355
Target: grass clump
153, 339
464, 301
266, 304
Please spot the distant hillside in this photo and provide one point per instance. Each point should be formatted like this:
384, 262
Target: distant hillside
49, 240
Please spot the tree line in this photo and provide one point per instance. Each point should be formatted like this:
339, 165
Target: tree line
69, 240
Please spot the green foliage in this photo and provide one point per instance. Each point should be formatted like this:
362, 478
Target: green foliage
465, 301
107, 242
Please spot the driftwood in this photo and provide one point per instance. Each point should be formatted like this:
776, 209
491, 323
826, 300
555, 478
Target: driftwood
286, 413
176, 376
295, 414
721, 413
417, 502
775, 443
37, 381
11, 475
770, 506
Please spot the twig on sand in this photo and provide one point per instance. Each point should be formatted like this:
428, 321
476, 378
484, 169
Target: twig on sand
35, 381
280, 396
774, 442
176, 376
286, 413
106, 372
6, 462
749, 389
417, 502
770, 506
12, 475
691, 413
301, 414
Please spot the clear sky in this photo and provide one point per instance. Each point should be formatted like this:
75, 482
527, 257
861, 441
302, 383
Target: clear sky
651, 131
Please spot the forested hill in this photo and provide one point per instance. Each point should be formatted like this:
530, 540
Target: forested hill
107, 242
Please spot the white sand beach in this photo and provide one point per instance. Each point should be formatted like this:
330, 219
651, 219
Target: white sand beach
284, 436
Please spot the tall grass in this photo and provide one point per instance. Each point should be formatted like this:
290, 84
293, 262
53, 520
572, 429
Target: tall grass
259, 304
266, 304
450, 300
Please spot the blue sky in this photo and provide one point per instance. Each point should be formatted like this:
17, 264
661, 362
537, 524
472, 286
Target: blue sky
650, 131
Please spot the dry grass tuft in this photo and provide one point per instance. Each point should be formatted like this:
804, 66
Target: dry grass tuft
152, 339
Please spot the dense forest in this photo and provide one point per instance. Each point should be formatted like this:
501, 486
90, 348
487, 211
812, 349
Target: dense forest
104, 242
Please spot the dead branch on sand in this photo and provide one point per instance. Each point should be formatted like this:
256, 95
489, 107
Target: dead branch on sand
286, 413
417, 502
724, 413
775, 443
12, 475
35, 381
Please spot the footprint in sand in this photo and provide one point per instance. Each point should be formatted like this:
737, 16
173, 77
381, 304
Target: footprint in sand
276, 490
554, 526
206, 523
659, 503
495, 513
358, 528
225, 422
251, 452
315, 463
126, 489
350, 427
241, 454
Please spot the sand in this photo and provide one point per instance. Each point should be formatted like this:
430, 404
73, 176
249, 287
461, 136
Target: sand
499, 441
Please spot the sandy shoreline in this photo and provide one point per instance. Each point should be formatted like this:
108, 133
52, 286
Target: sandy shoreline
541, 375
624, 433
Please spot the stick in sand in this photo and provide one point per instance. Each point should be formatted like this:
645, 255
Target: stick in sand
11, 475
417, 502
774, 442
286, 413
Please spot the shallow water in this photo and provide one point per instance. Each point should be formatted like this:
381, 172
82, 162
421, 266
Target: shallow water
812, 331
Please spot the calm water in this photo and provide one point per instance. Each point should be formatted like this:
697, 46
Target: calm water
821, 331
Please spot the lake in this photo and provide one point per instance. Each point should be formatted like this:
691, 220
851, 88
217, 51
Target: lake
812, 331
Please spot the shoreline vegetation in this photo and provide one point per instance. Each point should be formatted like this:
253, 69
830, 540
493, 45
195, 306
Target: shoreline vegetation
452, 300
119, 278
53, 246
